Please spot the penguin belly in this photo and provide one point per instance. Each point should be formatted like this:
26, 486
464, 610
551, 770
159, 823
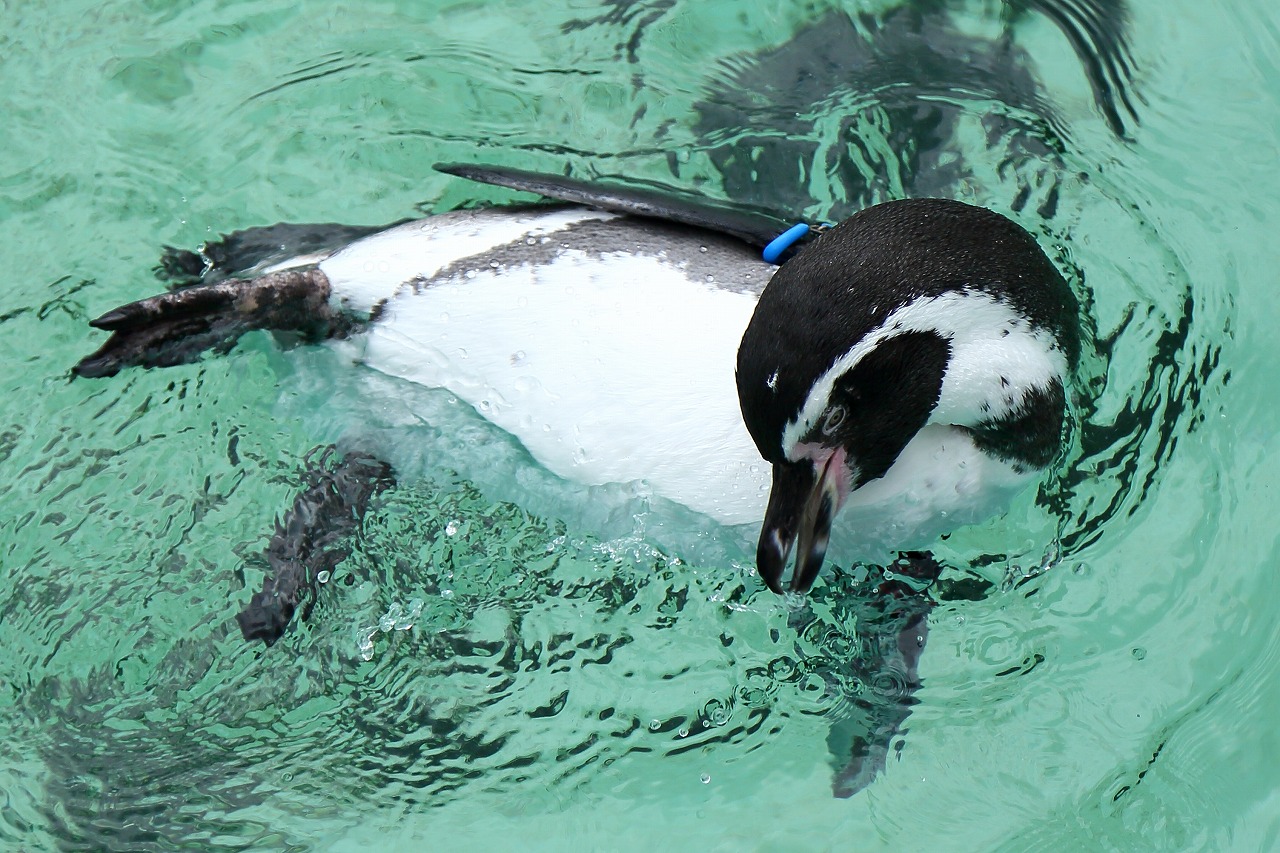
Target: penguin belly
605, 347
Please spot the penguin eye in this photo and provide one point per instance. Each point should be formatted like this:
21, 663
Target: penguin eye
835, 417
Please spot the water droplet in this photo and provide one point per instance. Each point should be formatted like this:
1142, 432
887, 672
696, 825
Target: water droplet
451, 529
710, 277
702, 249
1139, 653
530, 241
654, 725
388, 620
405, 621
364, 640
322, 577
684, 732
493, 264
705, 777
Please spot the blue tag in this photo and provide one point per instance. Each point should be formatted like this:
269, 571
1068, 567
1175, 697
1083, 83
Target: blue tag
784, 241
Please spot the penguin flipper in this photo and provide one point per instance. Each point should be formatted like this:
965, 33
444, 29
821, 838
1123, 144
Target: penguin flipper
310, 539
175, 328
755, 229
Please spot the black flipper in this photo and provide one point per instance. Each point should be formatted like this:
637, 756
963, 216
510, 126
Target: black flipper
311, 538
892, 612
175, 328
241, 252
755, 229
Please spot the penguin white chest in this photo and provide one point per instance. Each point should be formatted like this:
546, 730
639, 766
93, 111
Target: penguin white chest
607, 367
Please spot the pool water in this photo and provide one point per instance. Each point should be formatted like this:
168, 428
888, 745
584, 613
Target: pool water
508, 661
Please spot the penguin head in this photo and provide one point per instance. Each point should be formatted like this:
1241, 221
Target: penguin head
844, 359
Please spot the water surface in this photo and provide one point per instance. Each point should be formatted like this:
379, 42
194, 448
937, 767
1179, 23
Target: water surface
578, 673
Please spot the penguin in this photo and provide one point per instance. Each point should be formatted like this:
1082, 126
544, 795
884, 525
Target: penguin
904, 371
915, 360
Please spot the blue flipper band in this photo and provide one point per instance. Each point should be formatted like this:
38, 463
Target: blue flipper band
784, 241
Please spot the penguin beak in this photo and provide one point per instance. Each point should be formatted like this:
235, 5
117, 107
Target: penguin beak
803, 502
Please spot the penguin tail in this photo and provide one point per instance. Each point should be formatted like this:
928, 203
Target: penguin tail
177, 327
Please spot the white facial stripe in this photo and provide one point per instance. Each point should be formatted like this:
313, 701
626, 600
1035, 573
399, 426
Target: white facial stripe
996, 358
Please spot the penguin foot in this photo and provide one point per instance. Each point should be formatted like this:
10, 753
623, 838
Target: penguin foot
311, 538
892, 628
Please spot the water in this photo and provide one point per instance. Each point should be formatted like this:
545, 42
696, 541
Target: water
597, 671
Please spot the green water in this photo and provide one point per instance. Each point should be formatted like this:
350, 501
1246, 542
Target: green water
593, 672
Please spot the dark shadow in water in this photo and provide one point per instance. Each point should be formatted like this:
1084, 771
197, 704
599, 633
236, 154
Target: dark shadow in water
889, 93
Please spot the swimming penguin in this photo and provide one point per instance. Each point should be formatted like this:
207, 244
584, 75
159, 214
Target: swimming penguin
905, 370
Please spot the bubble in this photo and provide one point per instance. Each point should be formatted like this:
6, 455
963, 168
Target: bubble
782, 669
706, 778
451, 529
716, 713
684, 732
654, 725
1139, 653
